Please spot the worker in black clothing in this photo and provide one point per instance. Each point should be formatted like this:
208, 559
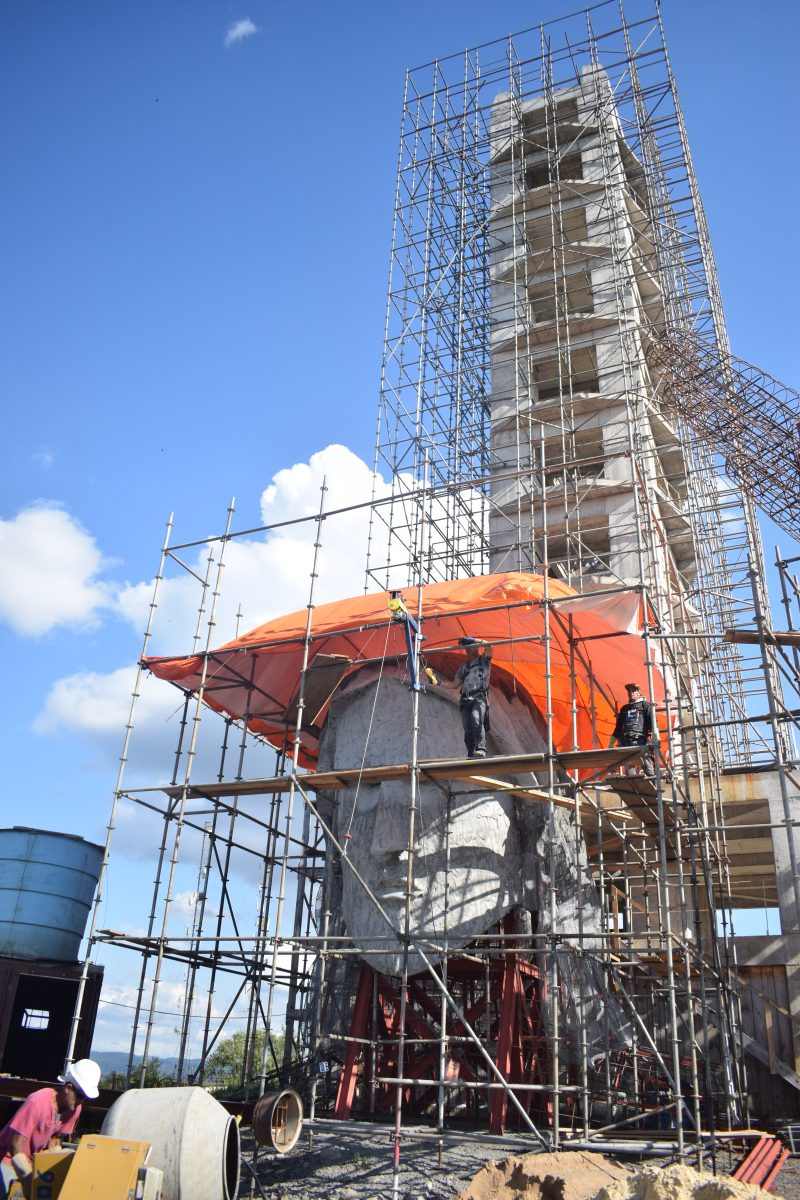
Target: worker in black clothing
636, 727
473, 678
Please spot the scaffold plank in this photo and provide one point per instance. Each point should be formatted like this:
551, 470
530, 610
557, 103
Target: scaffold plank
773, 637
444, 769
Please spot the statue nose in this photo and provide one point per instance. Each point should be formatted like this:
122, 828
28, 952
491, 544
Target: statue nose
391, 831
390, 834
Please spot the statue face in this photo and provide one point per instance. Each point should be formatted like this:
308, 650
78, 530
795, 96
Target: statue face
467, 867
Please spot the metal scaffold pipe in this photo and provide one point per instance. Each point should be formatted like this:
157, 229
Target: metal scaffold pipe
742, 413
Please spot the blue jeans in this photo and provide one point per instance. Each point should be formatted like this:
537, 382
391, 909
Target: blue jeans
648, 758
473, 718
7, 1177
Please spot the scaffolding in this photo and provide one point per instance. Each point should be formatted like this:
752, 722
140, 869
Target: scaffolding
548, 230
743, 412
548, 233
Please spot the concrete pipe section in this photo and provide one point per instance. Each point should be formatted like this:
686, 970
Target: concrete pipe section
278, 1120
194, 1141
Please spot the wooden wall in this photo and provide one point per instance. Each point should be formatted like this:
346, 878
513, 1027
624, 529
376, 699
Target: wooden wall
765, 1017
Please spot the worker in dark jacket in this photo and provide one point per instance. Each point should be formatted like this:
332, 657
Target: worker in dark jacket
473, 678
636, 727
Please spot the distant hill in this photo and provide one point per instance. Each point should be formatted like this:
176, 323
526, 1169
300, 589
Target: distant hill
116, 1062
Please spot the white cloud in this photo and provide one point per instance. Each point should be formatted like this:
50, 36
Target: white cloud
53, 564
50, 572
264, 576
117, 1006
44, 458
94, 707
98, 704
118, 1002
240, 30
183, 909
269, 575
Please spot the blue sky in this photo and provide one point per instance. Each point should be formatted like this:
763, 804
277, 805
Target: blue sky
197, 212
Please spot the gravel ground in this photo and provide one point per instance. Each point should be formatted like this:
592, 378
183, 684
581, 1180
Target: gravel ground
787, 1181
353, 1161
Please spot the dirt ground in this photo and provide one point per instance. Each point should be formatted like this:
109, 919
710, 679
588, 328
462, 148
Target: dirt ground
353, 1161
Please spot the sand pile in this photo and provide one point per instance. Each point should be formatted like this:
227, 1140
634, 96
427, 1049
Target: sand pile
572, 1175
569, 1175
680, 1182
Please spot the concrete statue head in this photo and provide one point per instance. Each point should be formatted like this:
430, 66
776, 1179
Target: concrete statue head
478, 852
474, 852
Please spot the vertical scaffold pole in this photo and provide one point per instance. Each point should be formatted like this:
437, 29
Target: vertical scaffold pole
112, 820
205, 583
412, 813
295, 762
190, 757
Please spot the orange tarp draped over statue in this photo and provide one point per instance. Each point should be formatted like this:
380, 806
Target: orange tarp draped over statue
595, 648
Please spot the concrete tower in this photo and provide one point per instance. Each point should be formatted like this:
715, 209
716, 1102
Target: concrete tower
576, 295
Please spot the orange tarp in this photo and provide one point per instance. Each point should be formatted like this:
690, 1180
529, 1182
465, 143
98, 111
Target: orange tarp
595, 648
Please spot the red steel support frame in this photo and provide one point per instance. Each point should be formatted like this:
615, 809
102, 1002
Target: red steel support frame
347, 1080
512, 1008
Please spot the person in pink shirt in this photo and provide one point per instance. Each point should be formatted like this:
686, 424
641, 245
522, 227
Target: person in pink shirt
47, 1116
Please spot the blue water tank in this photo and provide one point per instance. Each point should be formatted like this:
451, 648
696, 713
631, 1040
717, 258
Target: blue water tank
47, 884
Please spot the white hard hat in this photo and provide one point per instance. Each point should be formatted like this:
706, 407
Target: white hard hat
85, 1076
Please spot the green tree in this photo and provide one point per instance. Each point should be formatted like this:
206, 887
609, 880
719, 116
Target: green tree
224, 1064
156, 1075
